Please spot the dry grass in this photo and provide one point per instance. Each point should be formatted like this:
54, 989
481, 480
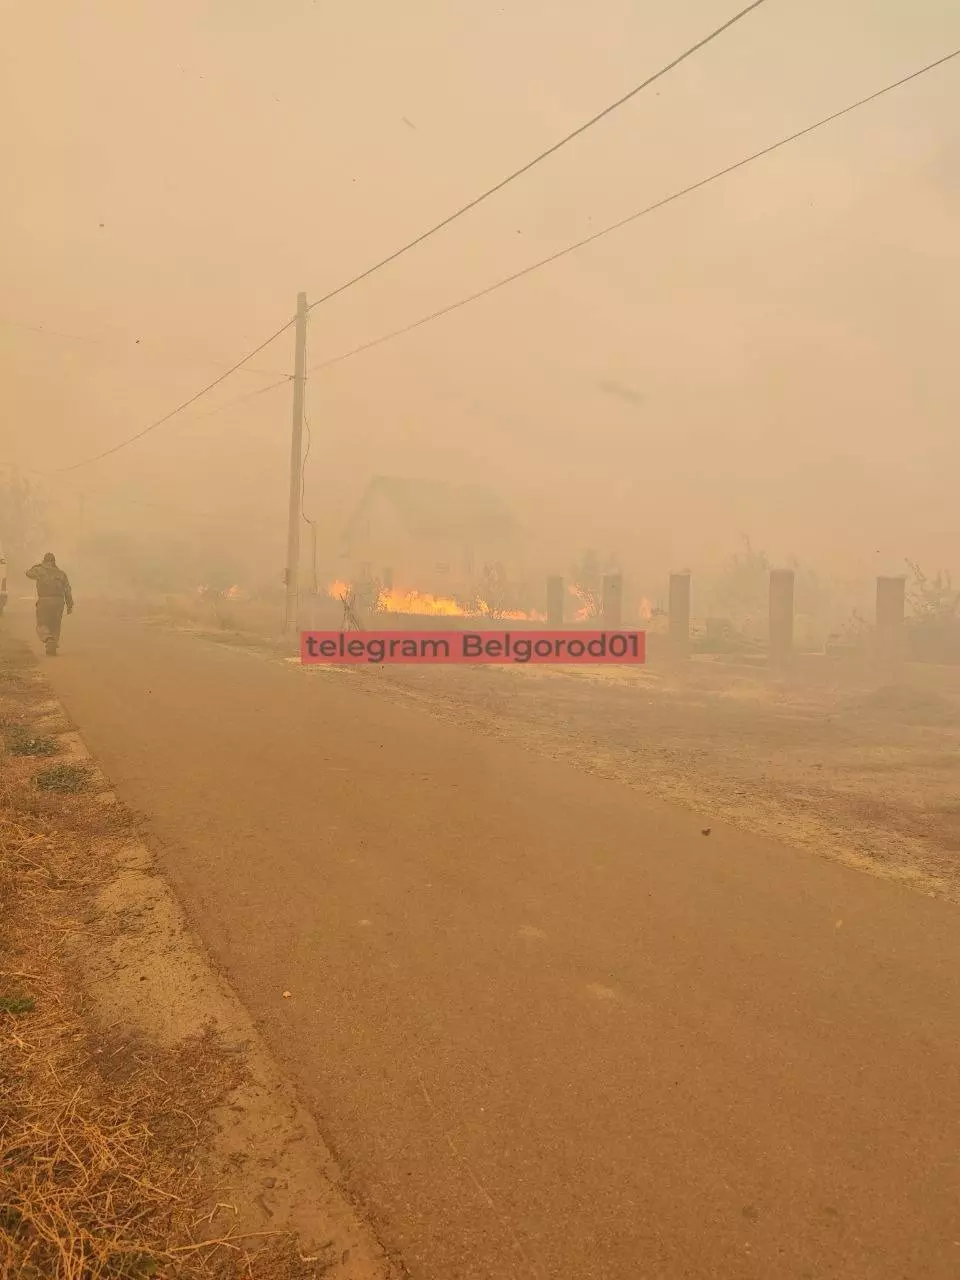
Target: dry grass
62, 777
102, 1139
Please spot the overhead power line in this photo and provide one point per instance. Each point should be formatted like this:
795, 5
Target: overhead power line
633, 217
472, 204
158, 422
134, 349
303, 470
251, 395
221, 408
530, 164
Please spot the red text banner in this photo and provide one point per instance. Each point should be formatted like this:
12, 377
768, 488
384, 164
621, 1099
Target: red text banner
426, 648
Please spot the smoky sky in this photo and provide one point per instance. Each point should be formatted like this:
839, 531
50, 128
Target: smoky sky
773, 354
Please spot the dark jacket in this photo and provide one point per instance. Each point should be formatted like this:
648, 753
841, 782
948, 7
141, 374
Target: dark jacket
52, 583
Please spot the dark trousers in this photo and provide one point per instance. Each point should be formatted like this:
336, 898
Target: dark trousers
49, 618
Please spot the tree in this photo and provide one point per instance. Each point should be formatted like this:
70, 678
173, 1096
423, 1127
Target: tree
142, 564
933, 600
21, 512
741, 591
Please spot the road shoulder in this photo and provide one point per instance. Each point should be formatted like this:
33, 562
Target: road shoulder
104, 988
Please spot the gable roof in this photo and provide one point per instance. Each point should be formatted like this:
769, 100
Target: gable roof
432, 509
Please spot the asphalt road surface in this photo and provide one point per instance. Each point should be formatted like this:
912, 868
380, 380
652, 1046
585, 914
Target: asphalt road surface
550, 1028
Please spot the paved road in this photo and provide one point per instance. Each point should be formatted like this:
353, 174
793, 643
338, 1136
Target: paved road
551, 1028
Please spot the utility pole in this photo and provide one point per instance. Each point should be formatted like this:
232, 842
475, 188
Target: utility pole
290, 618
315, 581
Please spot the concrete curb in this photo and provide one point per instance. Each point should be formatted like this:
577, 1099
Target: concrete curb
154, 979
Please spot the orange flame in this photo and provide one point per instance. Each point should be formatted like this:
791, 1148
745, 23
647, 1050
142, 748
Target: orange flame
424, 604
421, 603
588, 606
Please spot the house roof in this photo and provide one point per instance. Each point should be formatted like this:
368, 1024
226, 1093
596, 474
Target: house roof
433, 509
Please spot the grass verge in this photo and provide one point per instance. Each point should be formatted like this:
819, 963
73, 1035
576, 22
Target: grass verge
103, 1139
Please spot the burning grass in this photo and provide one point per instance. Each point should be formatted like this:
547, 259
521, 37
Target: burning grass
102, 1138
425, 604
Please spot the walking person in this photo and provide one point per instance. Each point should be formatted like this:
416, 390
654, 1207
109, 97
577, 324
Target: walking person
53, 595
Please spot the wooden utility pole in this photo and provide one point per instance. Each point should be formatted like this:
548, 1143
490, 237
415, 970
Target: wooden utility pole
290, 617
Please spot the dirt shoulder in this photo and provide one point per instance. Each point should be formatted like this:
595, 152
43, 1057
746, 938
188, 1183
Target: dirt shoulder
144, 1129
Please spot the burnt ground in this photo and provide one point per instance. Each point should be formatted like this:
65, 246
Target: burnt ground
851, 766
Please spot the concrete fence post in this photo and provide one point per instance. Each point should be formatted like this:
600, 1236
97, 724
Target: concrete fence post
678, 614
781, 615
891, 603
612, 599
555, 601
